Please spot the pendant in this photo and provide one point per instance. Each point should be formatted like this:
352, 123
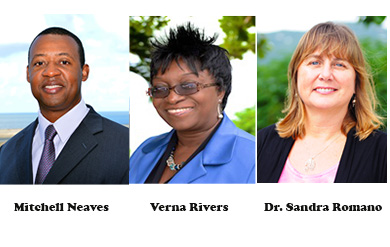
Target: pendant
310, 164
171, 163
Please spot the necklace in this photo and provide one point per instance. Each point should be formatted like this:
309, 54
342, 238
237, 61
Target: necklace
310, 164
171, 163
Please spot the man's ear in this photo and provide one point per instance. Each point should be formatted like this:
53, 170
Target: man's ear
85, 72
27, 75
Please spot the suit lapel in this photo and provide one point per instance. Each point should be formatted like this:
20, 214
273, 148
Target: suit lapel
80, 144
22, 159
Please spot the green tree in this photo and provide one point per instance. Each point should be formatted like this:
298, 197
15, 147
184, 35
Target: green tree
246, 120
372, 19
272, 85
141, 31
262, 45
376, 56
239, 39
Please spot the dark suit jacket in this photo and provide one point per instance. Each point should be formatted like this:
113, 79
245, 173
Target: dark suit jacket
361, 162
96, 153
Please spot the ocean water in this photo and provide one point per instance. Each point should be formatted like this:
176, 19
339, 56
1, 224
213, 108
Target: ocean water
21, 120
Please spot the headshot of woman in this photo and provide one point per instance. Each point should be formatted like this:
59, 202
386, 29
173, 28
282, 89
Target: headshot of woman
330, 130
190, 85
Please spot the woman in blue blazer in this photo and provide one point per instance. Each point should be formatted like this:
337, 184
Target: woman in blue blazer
190, 84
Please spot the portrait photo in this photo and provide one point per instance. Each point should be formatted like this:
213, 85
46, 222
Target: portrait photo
64, 115
322, 101
193, 79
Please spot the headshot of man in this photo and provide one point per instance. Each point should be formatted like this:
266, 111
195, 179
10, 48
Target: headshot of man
69, 143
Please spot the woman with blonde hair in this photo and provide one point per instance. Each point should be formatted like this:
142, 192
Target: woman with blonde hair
330, 131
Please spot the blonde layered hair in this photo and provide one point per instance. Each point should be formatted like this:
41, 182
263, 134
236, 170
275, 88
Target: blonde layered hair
338, 40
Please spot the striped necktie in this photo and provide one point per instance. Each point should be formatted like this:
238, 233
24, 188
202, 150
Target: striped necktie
48, 155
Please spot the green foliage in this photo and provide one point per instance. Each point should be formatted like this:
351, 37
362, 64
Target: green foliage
376, 56
238, 39
246, 120
372, 19
262, 45
272, 85
141, 31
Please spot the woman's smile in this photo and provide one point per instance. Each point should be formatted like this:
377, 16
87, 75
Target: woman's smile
180, 111
325, 90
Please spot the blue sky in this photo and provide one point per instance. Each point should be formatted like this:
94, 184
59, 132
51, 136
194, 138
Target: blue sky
105, 42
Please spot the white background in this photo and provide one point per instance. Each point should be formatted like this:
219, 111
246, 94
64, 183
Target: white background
131, 220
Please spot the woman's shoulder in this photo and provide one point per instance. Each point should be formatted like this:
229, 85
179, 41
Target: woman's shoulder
375, 144
380, 135
269, 137
377, 137
228, 127
271, 129
153, 142
268, 132
242, 134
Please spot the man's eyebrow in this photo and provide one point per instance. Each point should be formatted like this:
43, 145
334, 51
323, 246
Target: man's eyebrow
38, 55
58, 54
63, 54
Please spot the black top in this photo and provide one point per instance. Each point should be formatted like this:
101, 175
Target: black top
157, 172
361, 162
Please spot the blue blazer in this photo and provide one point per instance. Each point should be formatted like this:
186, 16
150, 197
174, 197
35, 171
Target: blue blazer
229, 157
96, 153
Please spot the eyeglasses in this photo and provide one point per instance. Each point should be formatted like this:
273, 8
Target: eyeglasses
185, 88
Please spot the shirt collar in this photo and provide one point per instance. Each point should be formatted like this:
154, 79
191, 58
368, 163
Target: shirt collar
65, 125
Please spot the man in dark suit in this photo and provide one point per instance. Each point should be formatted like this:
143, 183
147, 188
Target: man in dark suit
69, 143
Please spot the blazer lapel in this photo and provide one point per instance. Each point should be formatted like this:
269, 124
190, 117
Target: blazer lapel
191, 172
152, 153
78, 146
218, 151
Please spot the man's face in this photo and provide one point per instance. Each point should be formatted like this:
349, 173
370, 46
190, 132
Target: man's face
55, 74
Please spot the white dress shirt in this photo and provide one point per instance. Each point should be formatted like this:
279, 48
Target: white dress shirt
65, 126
